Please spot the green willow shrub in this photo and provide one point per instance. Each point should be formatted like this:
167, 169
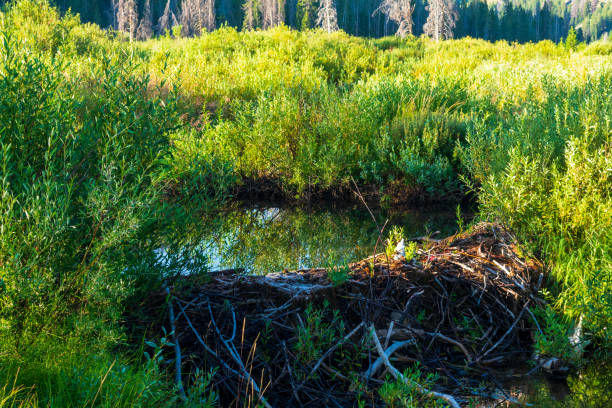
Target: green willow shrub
80, 181
79, 165
396, 393
556, 192
599, 48
196, 174
427, 156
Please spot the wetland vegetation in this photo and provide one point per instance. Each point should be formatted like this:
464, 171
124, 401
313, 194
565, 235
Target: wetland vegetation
111, 149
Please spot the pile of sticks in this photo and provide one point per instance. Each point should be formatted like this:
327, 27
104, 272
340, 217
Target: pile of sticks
459, 308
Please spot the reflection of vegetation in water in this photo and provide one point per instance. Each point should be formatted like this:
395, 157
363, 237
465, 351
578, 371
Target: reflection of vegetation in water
589, 388
266, 240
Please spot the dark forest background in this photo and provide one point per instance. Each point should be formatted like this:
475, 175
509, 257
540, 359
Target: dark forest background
511, 20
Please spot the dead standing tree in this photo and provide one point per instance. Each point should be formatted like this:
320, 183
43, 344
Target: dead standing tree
327, 16
251, 15
168, 19
441, 19
272, 13
126, 16
400, 12
145, 28
197, 16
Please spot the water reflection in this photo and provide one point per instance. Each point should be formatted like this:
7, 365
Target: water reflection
262, 240
590, 387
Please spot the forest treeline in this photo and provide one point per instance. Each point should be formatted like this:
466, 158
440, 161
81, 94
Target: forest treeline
511, 20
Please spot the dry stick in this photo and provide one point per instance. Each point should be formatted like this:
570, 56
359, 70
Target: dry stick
187, 304
177, 348
324, 356
396, 374
389, 351
380, 230
389, 332
328, 352
455, 342
288, 365
237, 359
208, 349
370, 290
335, 373
535, 320
364, 203
99, 388
507, 332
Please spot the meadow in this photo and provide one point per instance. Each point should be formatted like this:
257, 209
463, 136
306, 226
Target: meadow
104, 143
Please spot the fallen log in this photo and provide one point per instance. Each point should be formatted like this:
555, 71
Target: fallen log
298, 338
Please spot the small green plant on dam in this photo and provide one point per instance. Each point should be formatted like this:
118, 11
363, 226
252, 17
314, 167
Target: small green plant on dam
339, 274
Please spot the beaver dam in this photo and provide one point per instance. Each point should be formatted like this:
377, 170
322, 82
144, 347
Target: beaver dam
458, 307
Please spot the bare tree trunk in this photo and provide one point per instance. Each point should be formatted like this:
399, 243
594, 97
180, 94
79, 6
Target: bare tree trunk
127, 17
145, 28
114, 10
210, 20
400, 12
168, 19
251, 15
327, 16
272, 12
186, 18
441, 20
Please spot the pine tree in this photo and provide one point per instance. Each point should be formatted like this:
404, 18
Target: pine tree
145, 28
305, 14
571, 42
400, 12
441, 19
327, 16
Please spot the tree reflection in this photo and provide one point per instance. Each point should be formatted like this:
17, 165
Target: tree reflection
262, 240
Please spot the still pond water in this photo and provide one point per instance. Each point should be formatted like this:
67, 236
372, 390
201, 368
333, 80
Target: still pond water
264, 240
261, 240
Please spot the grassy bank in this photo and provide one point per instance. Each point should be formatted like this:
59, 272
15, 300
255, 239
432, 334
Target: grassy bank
103, 142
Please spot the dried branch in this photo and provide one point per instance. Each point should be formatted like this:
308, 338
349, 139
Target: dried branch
177, 348
396, 374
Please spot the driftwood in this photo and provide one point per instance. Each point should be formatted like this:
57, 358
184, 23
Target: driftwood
459, 308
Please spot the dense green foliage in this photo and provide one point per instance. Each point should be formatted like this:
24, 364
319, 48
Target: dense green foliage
101, 139
81, 166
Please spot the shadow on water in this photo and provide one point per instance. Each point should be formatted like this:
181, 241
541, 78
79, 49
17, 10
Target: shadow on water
271, 239
590, 387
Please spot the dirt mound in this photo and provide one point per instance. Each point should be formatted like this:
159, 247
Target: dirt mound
458, 307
